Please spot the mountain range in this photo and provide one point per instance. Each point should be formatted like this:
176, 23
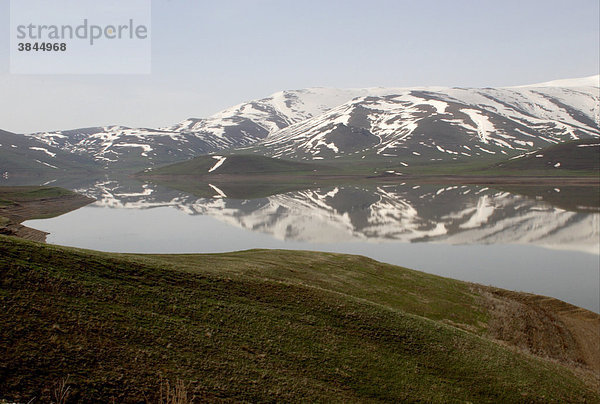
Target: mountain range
409, 124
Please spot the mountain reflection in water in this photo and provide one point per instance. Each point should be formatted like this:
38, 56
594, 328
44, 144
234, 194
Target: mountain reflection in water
476, 234
455, 214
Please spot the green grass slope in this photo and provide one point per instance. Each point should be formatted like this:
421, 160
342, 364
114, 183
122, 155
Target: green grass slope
11, 195
252, 326
239, 164
246, 176
581, 156
239, 176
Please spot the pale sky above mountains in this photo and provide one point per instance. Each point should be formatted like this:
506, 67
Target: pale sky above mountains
207, 56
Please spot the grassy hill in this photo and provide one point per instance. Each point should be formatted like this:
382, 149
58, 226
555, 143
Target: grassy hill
245, 176
239, 176
287, 326
237, 164
581, 156
578, 158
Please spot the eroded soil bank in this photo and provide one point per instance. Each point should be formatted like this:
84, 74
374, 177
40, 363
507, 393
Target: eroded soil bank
18, 204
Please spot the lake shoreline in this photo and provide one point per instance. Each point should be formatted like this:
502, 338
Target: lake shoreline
461, 232
22, 203
387, 178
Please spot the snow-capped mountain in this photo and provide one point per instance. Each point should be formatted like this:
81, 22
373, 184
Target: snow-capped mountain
398, 213
320, 123
445, 123
22, 156
119, 146
254, 120
238, 126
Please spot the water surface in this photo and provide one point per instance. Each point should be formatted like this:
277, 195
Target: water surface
470, 233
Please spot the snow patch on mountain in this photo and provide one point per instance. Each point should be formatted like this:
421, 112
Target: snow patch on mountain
220, 161
43, 150
590, 81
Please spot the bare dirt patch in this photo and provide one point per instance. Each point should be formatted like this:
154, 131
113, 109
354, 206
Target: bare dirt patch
545, 327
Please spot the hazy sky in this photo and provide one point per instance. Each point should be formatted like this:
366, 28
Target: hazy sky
208, 55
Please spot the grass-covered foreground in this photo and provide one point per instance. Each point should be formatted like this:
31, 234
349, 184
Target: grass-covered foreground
275, 326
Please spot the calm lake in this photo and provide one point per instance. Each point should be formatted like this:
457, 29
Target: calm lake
471, 233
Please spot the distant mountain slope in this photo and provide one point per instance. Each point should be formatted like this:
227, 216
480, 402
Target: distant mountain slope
432, 123
240, 125
453, 123
253, 120
26, 156
132, 148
